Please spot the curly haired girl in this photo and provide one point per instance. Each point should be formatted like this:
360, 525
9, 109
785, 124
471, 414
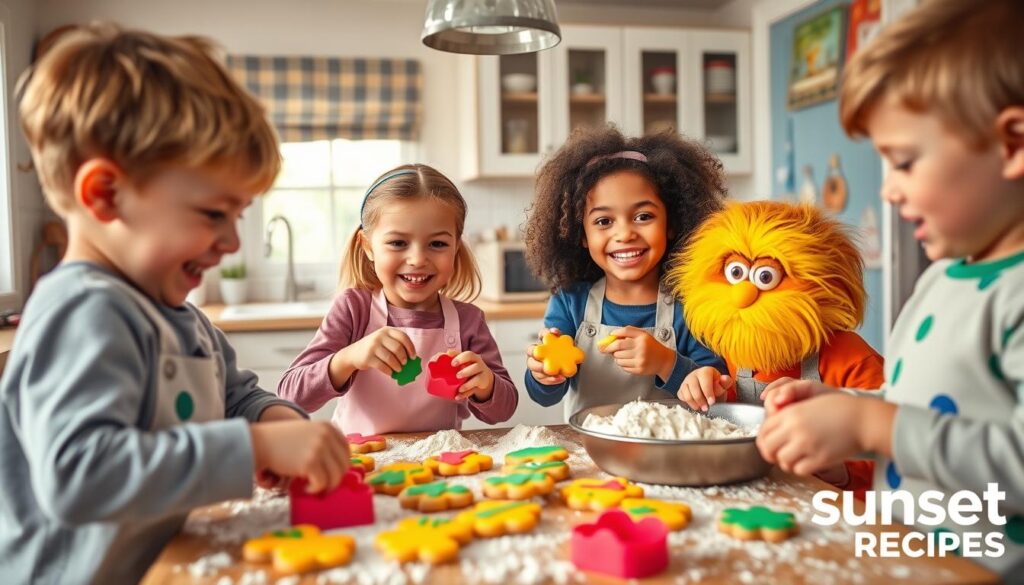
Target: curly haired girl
608, 213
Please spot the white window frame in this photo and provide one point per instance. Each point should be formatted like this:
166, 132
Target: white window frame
9, 297
268, 275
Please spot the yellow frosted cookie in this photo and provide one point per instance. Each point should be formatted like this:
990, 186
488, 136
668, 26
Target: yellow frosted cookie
392, 479
299, 549
435, 497
518, 486
500, 517
606, 341
558, 470
674, 515
599, 494
425, 539
558, 354
467, 462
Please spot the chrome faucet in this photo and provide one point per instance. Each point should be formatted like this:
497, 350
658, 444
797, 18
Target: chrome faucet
291, 287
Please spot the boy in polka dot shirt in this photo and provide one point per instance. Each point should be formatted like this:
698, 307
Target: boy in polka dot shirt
941, 95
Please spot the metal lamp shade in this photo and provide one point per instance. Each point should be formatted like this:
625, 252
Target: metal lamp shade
491, 27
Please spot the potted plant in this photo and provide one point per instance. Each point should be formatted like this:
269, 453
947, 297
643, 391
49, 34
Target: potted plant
581, 83
233, 284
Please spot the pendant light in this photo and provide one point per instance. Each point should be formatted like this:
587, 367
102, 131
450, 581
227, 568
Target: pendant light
491, 27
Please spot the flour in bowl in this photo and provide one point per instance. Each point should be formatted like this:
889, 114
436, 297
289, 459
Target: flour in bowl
651, 420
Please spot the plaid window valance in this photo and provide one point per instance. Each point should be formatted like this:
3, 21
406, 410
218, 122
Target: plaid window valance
322, 98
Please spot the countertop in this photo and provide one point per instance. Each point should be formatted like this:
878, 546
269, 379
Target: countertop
492, 311
698, 554
6, 341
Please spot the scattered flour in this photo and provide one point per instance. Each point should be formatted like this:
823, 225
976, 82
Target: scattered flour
651, 420
523, 436
435, 444
209, 564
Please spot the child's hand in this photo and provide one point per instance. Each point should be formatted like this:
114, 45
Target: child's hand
386, 349
703, 387
537, 368
315, 450
479, 378
819, 433
637, 352
785, 391
264, 478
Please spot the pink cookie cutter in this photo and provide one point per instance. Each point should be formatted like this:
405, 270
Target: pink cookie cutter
349, 504
617, 546
443, 382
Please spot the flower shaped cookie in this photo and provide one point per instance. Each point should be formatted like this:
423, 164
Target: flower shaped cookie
500, 517
426, 539
599, 494
435, 497
467, 462
757, 523
558, 354
558, 470
392, 479
299, 549
674, 515
518, 486
359, 444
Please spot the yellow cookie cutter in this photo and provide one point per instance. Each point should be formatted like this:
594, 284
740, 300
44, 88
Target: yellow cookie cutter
558, 354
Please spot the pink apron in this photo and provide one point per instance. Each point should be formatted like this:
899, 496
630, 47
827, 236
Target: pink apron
375, 403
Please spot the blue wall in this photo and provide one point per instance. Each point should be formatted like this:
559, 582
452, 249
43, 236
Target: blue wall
816, 135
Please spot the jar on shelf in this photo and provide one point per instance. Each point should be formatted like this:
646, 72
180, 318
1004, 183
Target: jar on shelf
719, 77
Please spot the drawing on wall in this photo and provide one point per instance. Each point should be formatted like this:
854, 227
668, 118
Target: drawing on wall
870, 238
865, 22
833, 192
818, 48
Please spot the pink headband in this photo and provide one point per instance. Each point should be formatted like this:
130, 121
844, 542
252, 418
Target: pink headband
630, 154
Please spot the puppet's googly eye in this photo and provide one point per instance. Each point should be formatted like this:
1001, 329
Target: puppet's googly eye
736, 272
765, 277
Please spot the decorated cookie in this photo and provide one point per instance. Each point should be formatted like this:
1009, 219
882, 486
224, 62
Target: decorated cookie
425, 539
599, 494
364, 462
757, 523
558, 354
537, 455
518, 486
392, 479
368, 444
412, 368
674, 515
299, 549
500, 517
467, 462
435, 497
606, 341
558, 470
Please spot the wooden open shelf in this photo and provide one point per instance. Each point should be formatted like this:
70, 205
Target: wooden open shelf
657, 98
520, 98
720, 98
588, 99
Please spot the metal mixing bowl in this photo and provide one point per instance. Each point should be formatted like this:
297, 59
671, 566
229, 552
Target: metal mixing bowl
684, 463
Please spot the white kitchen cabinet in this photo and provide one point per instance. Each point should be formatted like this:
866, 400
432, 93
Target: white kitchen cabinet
642, 79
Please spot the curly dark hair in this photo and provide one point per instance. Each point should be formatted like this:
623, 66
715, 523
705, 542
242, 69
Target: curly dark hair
688, 178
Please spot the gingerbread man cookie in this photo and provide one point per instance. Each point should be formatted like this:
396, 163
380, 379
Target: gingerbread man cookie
467, 462
299, 549
425, 539
599, 494
435, 497
675, 515
537, 455
359, 444
500, 517
757, 523
558, 470
392, 479
558, 354
518, 486
364, 462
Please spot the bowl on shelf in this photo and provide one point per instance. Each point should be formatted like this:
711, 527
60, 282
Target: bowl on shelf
722, 143
681, 463
518, 82
663, 80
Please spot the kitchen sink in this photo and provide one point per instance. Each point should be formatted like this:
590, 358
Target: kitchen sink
298, 310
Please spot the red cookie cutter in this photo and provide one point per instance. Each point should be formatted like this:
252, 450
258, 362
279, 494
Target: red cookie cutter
443, 382
349, 504
617, 546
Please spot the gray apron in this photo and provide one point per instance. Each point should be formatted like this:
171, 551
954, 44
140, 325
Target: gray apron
748, 390
188, 388
600, 380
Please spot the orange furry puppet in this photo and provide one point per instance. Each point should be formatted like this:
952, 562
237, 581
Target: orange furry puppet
776, 289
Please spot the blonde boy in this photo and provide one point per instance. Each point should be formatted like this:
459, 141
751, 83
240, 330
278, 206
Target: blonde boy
941, 94
123, 407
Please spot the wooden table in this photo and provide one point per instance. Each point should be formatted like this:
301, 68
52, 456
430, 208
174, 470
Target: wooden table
699, 554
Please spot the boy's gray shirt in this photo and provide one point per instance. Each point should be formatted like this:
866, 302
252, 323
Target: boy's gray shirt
955, 367
87, 493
